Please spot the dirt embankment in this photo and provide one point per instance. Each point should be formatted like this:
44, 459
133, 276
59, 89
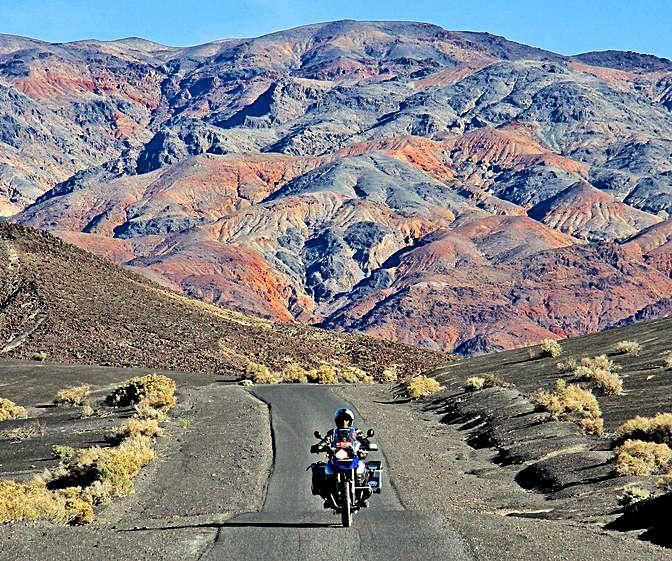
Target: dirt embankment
433, 467
212, 464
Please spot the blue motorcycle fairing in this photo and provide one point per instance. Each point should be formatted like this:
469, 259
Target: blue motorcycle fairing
339, 465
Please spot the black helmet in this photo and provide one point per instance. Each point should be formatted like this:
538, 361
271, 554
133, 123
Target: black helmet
341, 415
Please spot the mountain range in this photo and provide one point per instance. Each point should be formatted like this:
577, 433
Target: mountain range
454, 190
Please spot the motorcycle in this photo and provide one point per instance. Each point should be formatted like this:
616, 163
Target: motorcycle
346, 481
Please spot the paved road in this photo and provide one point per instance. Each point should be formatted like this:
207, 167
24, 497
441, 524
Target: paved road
293, 526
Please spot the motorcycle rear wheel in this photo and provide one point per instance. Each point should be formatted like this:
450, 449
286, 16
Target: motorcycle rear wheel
346, 511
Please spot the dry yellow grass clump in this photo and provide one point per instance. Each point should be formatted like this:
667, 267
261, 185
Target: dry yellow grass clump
154, 390
551, 347
475, 383
628, 348
115, 467
75, 396
325, 374
636, 457
32, 500
294, 373
144, 411
139, 427
391, 374
668, 361
601, 371
568, 365
10, 410
261, 374
653, 429
572, 402
422, 386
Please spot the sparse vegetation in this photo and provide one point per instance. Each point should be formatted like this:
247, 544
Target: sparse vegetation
391, 374
30, 430
572, 402
668, 361
32, 500
326, 374
75, 396
184, 423
422, 386
139, 427
628, 348
550, 347
154, 390
144, 411
600, 371
115, 467
261, 374
652, 429
10, 410
63, 452
39, 356
568, 365
294, 373
637, 457
633, 494
87, 411
474, 383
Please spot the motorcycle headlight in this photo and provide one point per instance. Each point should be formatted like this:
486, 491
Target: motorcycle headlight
341, 455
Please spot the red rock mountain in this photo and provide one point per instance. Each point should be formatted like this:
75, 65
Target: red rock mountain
449, 189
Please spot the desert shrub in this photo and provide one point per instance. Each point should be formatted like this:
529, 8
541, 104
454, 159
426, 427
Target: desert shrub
668, 361
391, 374
10, 410
39, 356
63, 452
326, 374
474, 383
87, 411
568, 365
353, 375
551, 348
422, 386
139, 427
73, 396
572, 402
348, 376
144, 411
495, 381
32, 500
628, 348
115, 467
294, 373
633, 494
592, 425
601, 371
652, 429
155, 390
260, 373
184, 423
636, 457
30, 430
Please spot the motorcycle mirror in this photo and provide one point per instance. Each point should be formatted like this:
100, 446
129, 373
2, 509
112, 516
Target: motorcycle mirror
317, 434
370, 433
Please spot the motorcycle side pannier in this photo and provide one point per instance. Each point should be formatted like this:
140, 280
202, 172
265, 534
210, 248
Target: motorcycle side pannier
319, 481
375, 470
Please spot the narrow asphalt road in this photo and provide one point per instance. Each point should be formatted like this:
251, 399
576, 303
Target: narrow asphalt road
293, 526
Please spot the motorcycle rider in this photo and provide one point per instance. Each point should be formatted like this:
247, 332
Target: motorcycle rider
344, 418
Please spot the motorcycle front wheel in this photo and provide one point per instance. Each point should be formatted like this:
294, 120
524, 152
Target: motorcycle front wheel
346, 511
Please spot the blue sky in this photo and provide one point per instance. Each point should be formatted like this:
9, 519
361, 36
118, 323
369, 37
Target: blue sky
567, 27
